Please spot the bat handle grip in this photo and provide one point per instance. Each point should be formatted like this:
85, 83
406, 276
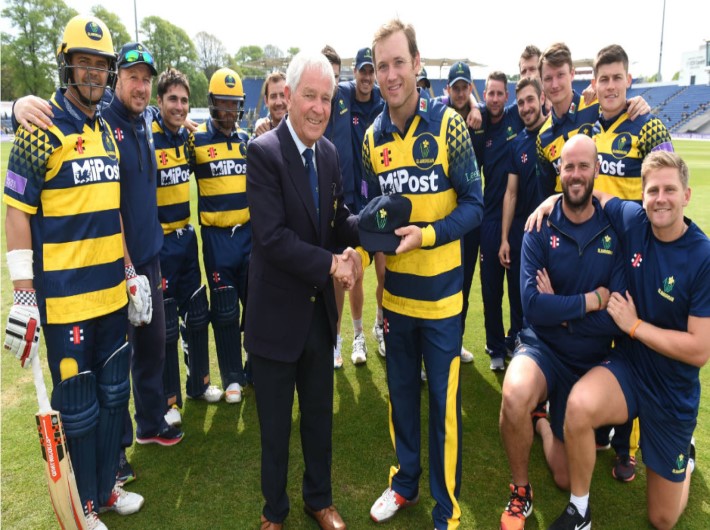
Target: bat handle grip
40, 387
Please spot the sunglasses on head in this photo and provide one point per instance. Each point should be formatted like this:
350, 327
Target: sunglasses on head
135, 55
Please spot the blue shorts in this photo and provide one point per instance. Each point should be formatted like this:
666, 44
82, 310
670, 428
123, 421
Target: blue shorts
559, 376
226, 256
665, 441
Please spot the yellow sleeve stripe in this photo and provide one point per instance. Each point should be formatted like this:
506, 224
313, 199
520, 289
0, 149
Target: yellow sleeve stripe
428, 236
81, 199
84, 253
10, 201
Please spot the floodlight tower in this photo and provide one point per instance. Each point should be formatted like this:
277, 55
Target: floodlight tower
660, 53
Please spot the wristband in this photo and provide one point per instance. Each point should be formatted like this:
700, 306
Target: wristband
24, 297
19, 264
130, 271
599, 298
633, 328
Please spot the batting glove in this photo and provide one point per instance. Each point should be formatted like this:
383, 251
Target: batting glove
23, 326
140, 301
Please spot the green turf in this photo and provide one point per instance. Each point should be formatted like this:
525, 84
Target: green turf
211, 479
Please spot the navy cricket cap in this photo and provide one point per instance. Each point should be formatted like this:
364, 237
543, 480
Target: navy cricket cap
380, 218
363, 57
459, 72
423, 77
133, 53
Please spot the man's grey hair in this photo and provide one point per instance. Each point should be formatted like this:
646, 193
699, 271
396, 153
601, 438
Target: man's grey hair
304, 61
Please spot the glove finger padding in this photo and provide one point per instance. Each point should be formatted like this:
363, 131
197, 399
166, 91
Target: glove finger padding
22, 333
140, 307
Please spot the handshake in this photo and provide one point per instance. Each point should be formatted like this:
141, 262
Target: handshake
346, 268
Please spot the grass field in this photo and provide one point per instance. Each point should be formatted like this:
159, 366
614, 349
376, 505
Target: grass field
211, 479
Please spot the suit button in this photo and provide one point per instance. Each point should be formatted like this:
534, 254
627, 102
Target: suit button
313, 298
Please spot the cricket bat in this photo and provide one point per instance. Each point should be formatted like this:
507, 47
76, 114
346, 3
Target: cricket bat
57, 464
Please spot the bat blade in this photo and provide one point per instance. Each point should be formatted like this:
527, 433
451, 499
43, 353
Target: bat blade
61, 481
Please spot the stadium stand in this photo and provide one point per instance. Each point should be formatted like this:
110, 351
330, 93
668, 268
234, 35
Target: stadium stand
682, 108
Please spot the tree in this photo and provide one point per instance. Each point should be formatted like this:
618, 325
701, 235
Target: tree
273, 52
30, 53
118, 31
169, 44
199, 86
293, 51
211, 53
248, 54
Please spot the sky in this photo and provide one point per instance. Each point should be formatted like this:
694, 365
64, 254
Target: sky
493, 33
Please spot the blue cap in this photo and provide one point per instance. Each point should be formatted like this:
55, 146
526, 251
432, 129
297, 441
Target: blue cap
363, 57
423, 77
133, 53
380, 218
459, 71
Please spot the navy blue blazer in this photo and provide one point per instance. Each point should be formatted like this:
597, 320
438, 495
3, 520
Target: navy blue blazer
291, 252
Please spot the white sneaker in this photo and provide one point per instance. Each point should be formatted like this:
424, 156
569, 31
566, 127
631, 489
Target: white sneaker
123, 502
466, 356
233, 393
378, 331
337, 357
173, 417
212, 395
359, 355
389, 503
497, 364
94, 523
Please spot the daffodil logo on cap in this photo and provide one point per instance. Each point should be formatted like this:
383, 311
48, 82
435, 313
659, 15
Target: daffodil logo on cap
230, 81
381, 218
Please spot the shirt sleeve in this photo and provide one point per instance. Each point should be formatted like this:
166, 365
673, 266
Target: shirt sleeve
466, 181
27, 167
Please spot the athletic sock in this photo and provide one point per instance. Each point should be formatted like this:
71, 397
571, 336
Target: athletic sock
581, 503
357, 326
380, 317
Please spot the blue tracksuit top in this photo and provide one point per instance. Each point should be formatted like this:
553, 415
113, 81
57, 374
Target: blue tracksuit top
578, 259
139, 206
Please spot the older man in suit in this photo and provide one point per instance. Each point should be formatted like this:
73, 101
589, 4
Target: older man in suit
298, 216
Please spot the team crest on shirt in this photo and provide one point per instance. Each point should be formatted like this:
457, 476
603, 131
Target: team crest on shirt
343, 108
243, 149
356, 120
636, 260
621, 146
425, 151
423, 105
79, 148
572, 109
587, 129
163, 158
524, 158
554, 241
668, 285
118, 133
109, 145
605, 245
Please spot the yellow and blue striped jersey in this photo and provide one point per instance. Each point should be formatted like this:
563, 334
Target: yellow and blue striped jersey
432, 164
622, 145
67, 179
173, 177
579, 118
220, 166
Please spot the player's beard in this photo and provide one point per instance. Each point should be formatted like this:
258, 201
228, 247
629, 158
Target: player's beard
578, 203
